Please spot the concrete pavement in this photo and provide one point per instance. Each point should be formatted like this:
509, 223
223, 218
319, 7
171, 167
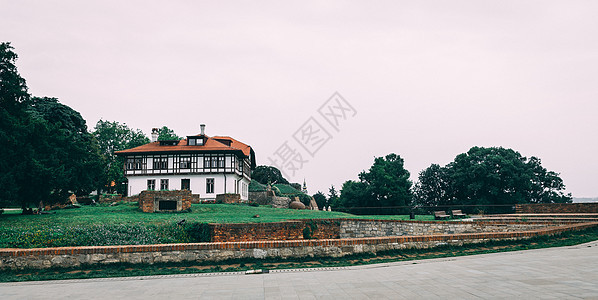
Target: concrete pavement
557, 273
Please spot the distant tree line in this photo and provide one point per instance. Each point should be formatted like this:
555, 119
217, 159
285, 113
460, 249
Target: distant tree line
493, 176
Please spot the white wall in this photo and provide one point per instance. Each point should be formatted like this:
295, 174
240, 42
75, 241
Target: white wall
137, 184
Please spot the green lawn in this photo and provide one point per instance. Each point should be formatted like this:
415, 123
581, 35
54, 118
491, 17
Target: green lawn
125, 224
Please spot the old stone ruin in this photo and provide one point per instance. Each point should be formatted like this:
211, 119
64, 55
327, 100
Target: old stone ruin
165, 201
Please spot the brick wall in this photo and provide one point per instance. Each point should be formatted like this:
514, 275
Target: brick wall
148, 200
291, 230
564, 208
149, 254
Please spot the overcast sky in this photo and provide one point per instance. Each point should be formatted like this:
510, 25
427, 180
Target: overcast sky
426, 79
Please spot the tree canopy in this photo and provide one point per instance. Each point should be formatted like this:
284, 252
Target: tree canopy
385, 184
268, 174
490, 176
114, 136
46, 150
320, 199
167, 134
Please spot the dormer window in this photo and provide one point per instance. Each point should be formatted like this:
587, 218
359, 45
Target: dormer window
169, 143
195, 141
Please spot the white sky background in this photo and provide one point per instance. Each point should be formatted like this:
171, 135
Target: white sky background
428, 79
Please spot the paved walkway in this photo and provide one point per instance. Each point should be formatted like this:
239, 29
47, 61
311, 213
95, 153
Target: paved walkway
559, 273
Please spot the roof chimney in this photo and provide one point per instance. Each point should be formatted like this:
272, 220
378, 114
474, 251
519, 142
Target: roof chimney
203, 129
154, 135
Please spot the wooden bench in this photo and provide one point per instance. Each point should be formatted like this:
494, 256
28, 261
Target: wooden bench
439, 215
457, 213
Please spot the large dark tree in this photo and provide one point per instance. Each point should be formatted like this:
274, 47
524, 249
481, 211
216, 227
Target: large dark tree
490, 176
112, 137
46, 150
13, 118
268, 174
69, 156
386, 183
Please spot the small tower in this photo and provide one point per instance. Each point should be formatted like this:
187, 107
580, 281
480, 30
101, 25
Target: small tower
304, 189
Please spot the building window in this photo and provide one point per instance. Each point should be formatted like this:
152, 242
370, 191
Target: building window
185, 184
151, 184
163, 184
134, 163
160, 163
220, 161
195, 142
185, 162
241, 166
209, 185
207, 162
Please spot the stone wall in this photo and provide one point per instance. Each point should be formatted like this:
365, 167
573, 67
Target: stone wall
558, 208
358, 228
149, 254
149, 200
291, 230
228, 198
269, 198
376, 228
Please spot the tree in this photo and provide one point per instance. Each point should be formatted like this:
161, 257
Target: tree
490, 176
268, 174
320, 199
333, 197
13, 117
46, 150
547, 186
355, 194
13, 89
65, 156
167, 134
112, 137
386, 183
432, 187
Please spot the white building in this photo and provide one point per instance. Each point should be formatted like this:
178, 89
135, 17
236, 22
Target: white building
205, 165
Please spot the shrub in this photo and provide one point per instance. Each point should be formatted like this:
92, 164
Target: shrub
198, 232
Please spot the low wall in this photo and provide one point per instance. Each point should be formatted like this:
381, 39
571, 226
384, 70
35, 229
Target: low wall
564, 208
350, 228
357, 228
149, 254
290, 230
228, 198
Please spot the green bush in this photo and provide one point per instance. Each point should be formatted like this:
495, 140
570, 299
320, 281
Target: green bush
198, 232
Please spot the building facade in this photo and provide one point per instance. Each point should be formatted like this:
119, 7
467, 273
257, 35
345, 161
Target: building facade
205, 165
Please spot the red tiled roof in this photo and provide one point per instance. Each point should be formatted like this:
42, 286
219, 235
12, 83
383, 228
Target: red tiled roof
211, 144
